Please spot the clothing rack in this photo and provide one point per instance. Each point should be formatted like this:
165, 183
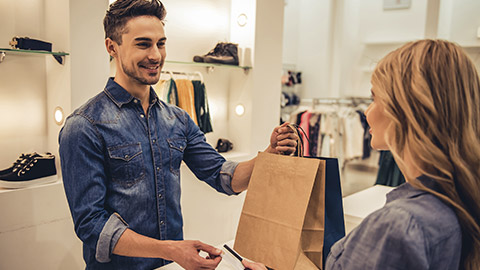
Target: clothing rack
337, 101
171, 73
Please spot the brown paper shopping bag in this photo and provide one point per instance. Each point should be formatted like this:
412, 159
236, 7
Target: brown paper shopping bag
282, 221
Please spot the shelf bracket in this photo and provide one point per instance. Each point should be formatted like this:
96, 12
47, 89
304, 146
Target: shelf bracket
210, 69
2, 56
59, 58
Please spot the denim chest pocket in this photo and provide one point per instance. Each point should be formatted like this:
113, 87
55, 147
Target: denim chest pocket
177, 147
126, 164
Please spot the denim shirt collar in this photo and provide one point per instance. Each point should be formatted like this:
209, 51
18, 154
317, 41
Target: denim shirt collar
406, 190
120, 96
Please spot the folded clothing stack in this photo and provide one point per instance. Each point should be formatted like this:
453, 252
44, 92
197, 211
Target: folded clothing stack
29, 170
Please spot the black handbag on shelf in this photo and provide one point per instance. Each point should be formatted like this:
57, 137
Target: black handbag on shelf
224, 145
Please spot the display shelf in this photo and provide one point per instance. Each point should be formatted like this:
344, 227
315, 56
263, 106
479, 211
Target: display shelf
381, 42
59, 56
469, 46
209, 66
9, 190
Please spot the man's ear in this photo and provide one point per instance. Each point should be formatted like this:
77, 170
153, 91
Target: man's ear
111, 47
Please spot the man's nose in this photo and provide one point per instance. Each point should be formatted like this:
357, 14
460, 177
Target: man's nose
155, 54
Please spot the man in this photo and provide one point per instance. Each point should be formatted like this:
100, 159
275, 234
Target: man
121, 154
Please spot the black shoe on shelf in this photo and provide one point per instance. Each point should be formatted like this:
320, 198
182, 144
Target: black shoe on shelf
32, 169
18, 163
215, 51
228, 56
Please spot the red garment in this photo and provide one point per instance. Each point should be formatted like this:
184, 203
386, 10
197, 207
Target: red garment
304, 124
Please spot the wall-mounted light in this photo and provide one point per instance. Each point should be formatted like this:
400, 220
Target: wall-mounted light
242, 20
58, 115
239, 109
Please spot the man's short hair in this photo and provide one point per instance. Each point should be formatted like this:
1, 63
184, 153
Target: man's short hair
121, 11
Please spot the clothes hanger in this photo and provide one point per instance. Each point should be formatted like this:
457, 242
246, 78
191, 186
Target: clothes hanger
199, 75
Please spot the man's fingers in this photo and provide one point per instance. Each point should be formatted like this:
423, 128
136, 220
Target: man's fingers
211, 250
284, 136
285, 130
285, 150
278, 128
291, 143
209, 263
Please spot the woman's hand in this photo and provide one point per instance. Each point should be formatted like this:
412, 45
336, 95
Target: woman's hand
253, 265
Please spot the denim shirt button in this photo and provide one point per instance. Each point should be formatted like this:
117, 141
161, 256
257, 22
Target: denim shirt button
136, 101
158, 168
153, 140
142, 116
162, 222
160, 196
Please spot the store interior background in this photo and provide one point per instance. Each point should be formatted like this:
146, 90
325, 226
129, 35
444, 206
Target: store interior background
334, 43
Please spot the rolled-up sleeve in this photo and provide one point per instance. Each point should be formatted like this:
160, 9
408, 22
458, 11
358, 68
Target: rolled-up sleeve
109, 236
84, 180
226, 175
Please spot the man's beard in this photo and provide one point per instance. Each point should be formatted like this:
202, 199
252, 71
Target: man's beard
146, 81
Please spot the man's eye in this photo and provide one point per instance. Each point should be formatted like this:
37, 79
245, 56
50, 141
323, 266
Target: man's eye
161, 44
143, 44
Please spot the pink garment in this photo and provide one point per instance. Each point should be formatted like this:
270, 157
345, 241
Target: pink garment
304, 124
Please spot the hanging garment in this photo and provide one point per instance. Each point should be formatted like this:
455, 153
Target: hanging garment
305, 125
367, 137
314, 129
353, 136
172, 93
186, 97
167, 91
388, 173
201, 107
161, 89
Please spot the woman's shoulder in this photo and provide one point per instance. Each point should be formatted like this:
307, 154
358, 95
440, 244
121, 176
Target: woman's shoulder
415, 231
424, 210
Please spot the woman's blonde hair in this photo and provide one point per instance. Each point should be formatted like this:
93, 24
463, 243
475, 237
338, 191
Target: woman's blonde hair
431, 92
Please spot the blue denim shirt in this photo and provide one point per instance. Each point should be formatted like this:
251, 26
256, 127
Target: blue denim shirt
414, 230
121, 169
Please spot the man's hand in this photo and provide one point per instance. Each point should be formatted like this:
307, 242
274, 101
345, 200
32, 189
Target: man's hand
282, 141
185, 253
253, 265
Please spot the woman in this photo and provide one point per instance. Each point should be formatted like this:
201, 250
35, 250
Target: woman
426, 111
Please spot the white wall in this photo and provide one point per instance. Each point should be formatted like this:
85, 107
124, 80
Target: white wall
378, 24
23, 90
89, 58
290, 32
314, 46
359, 33
193, 27
459, 21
